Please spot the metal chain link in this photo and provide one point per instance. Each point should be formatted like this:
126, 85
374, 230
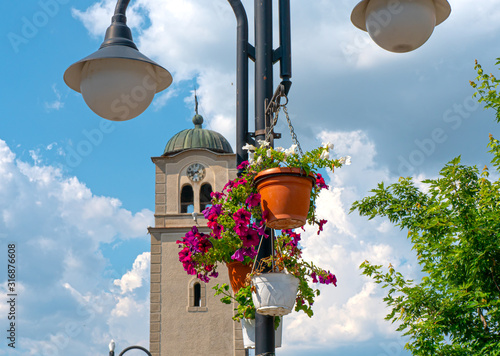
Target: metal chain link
274, 121
292, 131
269, 132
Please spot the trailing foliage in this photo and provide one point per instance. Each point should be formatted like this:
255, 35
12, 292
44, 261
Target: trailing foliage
455, 230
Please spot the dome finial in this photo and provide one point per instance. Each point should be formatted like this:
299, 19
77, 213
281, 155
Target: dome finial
197, 119
195, 102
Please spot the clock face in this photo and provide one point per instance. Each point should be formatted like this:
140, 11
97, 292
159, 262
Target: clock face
196, 172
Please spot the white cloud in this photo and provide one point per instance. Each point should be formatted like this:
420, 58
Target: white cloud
352, 312
55, 104
341, 79
134, 279
65, 283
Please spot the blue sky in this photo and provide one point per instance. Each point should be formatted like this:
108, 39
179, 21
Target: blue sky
77, 192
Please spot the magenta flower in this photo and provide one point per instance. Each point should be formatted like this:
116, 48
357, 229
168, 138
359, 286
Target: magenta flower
238, 255
331, 279
241, 230
320, 182
203, 278
261, 229
190, 269
185, 255
251, 239
240, 181
216, 229
242, 217
313, 276
321, 223
250, 252
212, 212
243, 165
229, 186
216, 195
253, 200
204, 245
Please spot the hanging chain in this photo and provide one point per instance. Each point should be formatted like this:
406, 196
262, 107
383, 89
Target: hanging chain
295, 140
274, 108
274, 121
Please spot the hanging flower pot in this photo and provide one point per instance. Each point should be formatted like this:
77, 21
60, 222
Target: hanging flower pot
237, 274
248, 329
274, 293
285, 196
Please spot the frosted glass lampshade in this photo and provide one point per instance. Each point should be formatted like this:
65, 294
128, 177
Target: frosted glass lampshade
118, 89
400, 26
403, 30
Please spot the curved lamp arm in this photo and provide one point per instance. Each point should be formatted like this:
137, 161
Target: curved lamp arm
121, 7
135, 347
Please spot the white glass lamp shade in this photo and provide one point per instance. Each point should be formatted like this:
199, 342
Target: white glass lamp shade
118, 89
112, 345
400, 25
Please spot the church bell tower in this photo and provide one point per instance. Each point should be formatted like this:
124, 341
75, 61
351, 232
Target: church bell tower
185, 317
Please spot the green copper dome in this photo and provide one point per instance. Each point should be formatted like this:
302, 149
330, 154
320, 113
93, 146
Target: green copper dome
198, 138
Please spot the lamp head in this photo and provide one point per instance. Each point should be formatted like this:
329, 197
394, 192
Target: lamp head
400, 25
117, 82
112, 345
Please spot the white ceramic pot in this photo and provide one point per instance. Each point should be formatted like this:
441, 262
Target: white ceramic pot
248, 329
275, 293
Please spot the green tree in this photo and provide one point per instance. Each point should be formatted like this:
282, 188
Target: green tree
454, 228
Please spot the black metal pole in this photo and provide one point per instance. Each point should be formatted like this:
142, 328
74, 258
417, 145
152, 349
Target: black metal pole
264, 325
242, 48
285, 44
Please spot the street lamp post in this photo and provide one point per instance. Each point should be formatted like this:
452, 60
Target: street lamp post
118, 82
135, 347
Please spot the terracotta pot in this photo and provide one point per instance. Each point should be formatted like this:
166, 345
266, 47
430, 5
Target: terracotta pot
237, 274
285, 195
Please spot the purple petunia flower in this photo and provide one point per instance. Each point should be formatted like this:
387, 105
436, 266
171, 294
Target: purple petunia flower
321, 223
243, 165
251, 239
242, 217
238, 255
320, 182
253, 200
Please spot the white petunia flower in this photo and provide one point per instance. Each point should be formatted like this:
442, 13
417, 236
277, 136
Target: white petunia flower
259, 160
328, 145
249, 147
290, 150
279, 149
263, 143
324, 155
251, 155
345, 160
268, 153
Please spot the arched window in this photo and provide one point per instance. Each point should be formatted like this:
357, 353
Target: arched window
197, 295
187, 199
205, 191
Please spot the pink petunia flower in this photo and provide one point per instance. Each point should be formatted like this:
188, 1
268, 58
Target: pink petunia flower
253, 200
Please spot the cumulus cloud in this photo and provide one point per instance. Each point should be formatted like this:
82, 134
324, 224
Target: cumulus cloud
337, 80
64, 281
134, 278
354, 311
